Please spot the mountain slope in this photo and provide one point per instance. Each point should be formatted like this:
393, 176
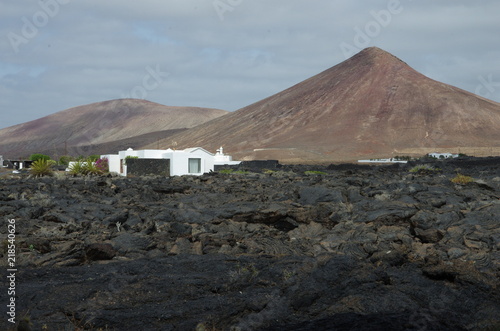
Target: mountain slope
78, 130
370, 105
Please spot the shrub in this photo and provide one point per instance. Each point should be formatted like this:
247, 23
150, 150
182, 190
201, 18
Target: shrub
42, 167
65, 159
85, 168
102, 164
91, 168
36, 157
462, 179
93, 158
315, 172
77, 168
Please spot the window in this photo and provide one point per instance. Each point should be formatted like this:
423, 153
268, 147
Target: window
194, 166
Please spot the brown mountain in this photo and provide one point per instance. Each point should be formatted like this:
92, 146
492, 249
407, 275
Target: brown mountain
371, 105
101, 128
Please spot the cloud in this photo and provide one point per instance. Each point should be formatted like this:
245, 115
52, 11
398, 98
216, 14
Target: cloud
90, 51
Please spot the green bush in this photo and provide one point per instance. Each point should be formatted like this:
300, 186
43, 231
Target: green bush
42, 167
77, 168
36, 157
65, 159
91, 168
85, 168
93, 158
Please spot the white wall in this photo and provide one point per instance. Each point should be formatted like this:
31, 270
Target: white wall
382, 161
113, 161
179, 159
444, 155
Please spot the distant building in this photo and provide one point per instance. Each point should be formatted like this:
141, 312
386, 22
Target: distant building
189, 161
16, 164
391, 160
442, 155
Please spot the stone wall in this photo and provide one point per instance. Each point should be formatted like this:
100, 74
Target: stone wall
145, 167
253, 165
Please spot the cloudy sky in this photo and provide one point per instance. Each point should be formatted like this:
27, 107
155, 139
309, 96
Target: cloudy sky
57, 54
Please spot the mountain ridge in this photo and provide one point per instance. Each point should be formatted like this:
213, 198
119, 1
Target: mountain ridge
101, 123
372, 104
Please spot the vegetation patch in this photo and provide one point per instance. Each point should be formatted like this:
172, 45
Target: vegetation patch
424, 168
36, 157
77, 168
462, 179
314, 172
232, 171
102, 164
42, 167
89, 167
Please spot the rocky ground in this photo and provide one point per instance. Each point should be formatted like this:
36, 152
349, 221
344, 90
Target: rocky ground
354, 248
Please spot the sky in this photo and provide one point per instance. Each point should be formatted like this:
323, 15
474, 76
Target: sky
226, 54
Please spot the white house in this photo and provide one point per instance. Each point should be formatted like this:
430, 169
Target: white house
222, 159
391, 160
189, 161
443, 155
